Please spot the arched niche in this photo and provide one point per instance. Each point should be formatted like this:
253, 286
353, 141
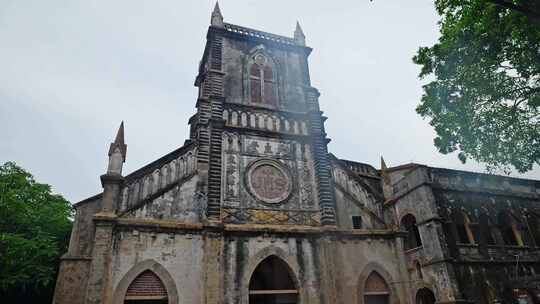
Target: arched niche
149, 273
374, 286
487, 229
425, 296
534, 225
273, 282
462, 223
147, 288
376, 289
509, 229
261, 85
408, 222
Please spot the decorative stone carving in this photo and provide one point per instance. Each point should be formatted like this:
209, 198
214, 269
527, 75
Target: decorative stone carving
267, 147
269, 181
202, 201
231, 177
268, 216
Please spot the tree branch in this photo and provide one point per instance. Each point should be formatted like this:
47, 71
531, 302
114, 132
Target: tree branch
534, 15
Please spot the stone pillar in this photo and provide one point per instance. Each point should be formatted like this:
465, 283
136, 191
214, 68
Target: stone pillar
213, 270
319, 147
406, 291
99, 289
311, 276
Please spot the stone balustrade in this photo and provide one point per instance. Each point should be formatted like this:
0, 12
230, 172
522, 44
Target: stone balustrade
158, 176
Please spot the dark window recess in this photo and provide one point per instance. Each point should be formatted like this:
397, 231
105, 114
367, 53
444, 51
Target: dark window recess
357, 222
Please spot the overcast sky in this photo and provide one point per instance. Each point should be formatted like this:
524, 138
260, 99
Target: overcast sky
70, 71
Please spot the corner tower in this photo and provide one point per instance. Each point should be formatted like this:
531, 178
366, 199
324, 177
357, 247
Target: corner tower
262, 145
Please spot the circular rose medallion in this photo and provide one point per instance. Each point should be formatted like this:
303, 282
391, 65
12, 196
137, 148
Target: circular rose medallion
269, 182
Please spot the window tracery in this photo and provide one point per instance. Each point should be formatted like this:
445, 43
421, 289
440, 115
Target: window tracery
262, 81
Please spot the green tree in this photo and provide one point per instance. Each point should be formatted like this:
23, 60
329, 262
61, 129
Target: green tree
34, 231
483, 90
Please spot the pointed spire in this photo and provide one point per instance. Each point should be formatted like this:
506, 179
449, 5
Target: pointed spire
383, 164
120, 134
299, 36
119, 142
217, 17
384, 173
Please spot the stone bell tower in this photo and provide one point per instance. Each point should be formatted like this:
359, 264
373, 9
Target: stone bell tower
262, 144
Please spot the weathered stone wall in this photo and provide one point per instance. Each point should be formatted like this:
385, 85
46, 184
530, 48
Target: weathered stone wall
75, 264
355, 197
289, 64
82, 234
490, 270
181, 203
180, 254
241, 205
428, 265
216, 267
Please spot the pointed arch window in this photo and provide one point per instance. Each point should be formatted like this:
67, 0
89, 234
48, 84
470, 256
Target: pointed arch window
425, 296
147, 288
462, 222
534, 227
509, 229
408, 222
376, 290
262, 81
272, 283
486, 229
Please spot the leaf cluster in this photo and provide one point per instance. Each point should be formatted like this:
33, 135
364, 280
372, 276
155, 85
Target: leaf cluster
34, 230
483, 94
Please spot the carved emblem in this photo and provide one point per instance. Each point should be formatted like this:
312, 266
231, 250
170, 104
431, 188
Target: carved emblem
268, 148
253, 147
269, 181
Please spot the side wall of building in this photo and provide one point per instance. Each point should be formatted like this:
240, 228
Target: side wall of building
75, 264
217, 267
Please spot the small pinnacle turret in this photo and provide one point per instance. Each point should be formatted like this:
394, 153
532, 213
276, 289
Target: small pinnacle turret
216, 19
117, 152
383, 164
299, 36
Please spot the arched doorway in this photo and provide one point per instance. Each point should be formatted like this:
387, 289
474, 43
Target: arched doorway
147, 288
272, 283
425, 296
376, 290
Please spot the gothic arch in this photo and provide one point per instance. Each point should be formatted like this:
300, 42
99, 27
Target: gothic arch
425, 296
462, 223
157, 269
487, 229
409, 223
292, 265
272, 75
508, 225
381, 271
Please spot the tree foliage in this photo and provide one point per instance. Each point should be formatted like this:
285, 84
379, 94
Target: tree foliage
483, 90
34, 231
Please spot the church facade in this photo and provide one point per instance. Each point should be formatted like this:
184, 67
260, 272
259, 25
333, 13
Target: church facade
254, 209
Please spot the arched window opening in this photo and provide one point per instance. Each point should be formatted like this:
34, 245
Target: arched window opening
509, 230
486, 229
272, 283
534, 227
425, 296
147, 288
376, 290
463, 227
262, 81
413, 235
